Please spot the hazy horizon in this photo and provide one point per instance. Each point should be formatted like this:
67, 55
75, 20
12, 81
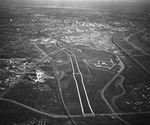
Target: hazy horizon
62, 1
99, 4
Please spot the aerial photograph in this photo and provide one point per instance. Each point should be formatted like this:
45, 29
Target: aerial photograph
74, 62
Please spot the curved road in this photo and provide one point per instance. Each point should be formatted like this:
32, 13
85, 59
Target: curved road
114, 114
127, 55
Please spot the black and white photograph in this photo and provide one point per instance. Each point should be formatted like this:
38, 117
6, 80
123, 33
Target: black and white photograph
74, 62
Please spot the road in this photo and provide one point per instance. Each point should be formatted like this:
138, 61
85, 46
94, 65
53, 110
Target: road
60, 93
127, 55
33, 109
114, 114
135, 62
46, 54
43, 48
78, 72
14, 83
78, 78
144, 53
83, 97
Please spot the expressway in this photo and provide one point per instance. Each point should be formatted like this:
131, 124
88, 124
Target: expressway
78, 78
127, 55
86, 108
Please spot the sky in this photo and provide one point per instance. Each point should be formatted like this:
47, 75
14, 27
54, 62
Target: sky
28, 2
75, 0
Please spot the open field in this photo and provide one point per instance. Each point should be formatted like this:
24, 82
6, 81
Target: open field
144, 61
74, 62
70, 95
42, 95
113, 92
137, 119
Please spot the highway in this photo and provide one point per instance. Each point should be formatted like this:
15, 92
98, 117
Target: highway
78, 78
26, 71
43, 48
86, 108
127, 55
60, 93
78, 73
46, 54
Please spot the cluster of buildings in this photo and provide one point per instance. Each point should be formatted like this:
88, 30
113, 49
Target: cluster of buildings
101, 41
13, 69
139, 96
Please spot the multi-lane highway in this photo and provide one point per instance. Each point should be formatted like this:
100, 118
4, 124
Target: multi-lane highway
83, 97
78, 78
